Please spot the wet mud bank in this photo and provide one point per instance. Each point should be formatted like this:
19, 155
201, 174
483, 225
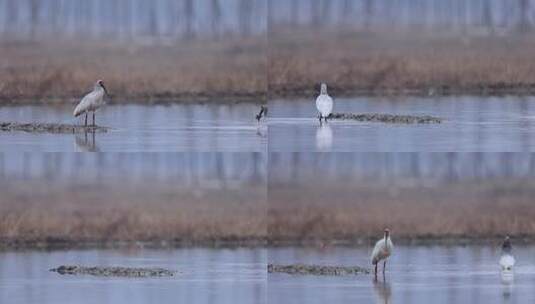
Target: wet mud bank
125, 272
318, 270
53, 128
387, 118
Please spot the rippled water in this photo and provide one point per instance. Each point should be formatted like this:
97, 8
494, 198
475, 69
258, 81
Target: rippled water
191, 127
484, 124
435, 274
205, 276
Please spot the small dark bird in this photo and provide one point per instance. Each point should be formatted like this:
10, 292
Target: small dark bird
262, 113
507, 260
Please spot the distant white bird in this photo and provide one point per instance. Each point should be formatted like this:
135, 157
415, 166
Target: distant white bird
324, 103
382, 250
92, 101
507, 260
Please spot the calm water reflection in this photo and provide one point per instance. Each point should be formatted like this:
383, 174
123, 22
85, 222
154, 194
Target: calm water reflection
206, 276
184, 170
188, 127
335, 168
434, 274
472, 124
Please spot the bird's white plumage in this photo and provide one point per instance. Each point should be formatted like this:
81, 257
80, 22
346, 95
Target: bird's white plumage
91, 102
382, 250
324, 104
507, 261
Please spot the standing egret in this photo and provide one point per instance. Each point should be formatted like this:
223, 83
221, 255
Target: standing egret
507, 261
382, 250
324, 103
262, 113
92, 101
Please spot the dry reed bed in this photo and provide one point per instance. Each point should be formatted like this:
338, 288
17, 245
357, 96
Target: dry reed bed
353, 213
393, 63
35, 213
60, 70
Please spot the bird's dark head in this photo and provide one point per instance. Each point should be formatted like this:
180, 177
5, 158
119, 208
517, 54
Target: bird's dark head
100, 83
506, 245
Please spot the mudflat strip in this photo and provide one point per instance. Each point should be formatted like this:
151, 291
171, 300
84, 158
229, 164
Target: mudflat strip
128, 272
302, 269
55, 128
387, 118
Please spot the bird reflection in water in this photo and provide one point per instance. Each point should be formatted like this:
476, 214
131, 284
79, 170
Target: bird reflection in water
382, 290
261, 131
324, 137
507, 279
86, 142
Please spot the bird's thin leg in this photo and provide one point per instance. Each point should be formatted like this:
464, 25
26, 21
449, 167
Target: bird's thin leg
85, 119
384, 267
320, 117
93, 118
376, 270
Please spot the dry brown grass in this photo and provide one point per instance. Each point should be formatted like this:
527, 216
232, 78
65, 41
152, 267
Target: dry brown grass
360, 62
212, 70
461, 210
31, 212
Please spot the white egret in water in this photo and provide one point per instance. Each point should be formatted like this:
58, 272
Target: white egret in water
507, 260
92, 101
382, 250
324, 103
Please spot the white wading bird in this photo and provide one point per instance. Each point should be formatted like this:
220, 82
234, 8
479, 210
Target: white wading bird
507, 261
382, 250
92, 101
324, 103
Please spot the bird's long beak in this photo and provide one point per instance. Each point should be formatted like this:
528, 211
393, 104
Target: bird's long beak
106, 91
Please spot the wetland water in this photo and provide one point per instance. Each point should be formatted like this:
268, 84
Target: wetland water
415, 274
205, 276
472, 123
141, 128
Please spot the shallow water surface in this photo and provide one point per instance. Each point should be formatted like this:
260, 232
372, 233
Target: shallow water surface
205, 276
415, 274
187, 127
471, 123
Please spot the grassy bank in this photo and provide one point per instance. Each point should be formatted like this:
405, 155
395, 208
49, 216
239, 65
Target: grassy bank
37, 215
87, 216
364, 63
62, 71
343, 213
